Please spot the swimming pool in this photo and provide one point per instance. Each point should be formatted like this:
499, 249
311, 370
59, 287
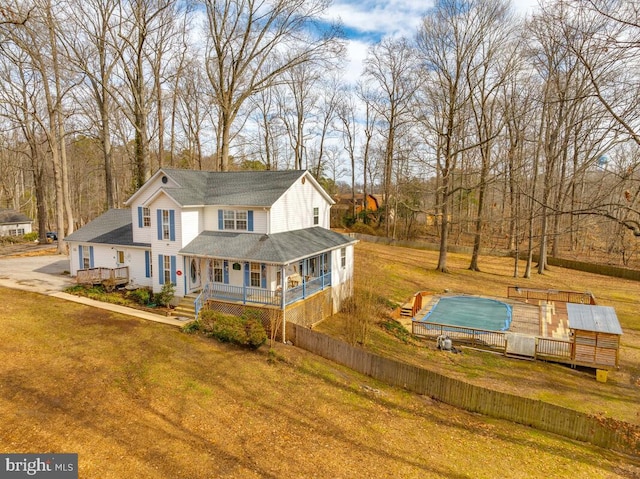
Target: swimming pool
471, 312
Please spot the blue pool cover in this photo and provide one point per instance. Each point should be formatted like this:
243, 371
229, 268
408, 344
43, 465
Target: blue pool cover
471, 312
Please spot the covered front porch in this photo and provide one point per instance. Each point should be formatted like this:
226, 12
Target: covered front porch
252, 283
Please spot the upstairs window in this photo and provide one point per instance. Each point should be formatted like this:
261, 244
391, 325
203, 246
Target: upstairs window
166, 225
146, 216
235, 220
343, 257
316, 216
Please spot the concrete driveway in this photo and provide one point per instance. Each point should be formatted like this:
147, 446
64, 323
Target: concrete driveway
39, 274
49, 274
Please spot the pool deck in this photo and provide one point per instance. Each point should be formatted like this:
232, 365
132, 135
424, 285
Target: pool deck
543, 319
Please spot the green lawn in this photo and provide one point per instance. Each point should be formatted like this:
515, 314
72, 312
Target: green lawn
140, 399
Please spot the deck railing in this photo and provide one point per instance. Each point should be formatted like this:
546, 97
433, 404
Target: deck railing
554, 348
528, 294
98, 275
548, 348
476, 337
247, 294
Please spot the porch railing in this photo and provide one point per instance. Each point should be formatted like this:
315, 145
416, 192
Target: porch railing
247, 294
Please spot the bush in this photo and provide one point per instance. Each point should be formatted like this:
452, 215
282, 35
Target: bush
31, 236
164, 297
242, 331
256, 335
141, 296
191, 327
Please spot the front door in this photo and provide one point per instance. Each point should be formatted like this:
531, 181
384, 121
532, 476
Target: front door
194, 274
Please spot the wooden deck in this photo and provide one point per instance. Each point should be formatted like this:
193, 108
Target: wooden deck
538, 322
108, 277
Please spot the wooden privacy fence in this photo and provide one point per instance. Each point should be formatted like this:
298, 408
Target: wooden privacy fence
604, 432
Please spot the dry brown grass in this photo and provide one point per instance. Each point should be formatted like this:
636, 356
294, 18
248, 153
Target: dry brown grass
400, 272
141, 400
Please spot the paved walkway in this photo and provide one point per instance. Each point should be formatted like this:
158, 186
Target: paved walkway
49, 275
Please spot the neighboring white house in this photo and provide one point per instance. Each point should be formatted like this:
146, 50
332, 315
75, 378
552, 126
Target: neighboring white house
243, 237
14, 223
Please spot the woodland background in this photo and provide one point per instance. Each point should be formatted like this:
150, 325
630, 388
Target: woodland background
484, 128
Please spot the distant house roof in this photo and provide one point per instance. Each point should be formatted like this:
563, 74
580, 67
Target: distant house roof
600, 319
233, 188
113, 227
278, 248
8, 216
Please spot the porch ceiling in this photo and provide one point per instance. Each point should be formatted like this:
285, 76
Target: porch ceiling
279, 248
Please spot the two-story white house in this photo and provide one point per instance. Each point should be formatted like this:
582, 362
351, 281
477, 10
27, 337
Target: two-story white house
247, 238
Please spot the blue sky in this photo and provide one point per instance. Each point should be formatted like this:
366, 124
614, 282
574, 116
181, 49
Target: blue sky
367, 21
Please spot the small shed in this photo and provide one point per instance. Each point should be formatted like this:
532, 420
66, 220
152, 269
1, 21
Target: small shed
596, 335
14, 223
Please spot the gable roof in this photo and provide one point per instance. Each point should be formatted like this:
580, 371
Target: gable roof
113, 227
278, 248
233, 188
8, 216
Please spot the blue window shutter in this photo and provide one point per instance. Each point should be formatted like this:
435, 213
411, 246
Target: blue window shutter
247, 275
139, 216
80, 255
160, 269
172, 225
147, 264
225, 272
263, 275
160, 224
220, 221
250, 220
173, 271
91, 256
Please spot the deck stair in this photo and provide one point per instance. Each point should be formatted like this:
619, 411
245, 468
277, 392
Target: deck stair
186, 307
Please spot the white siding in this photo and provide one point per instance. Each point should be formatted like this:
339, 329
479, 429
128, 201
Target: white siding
191, 222
167, 247
341, 277
294, 210
106, 256
4, 229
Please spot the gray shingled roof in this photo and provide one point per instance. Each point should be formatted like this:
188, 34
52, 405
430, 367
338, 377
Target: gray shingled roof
113, 227
278, 248
238, 188
8, 216
601, 319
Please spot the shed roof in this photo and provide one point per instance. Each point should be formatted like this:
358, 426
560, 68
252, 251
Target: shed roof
113, 227
601, 319
8, 216
278, 248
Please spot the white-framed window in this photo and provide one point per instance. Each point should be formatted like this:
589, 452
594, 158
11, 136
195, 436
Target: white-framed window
218, 266
120, 257
166, 269
16, 232
343, 257
166, 225
255, 275
146, 216
86, 257
235, 220
316, 216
